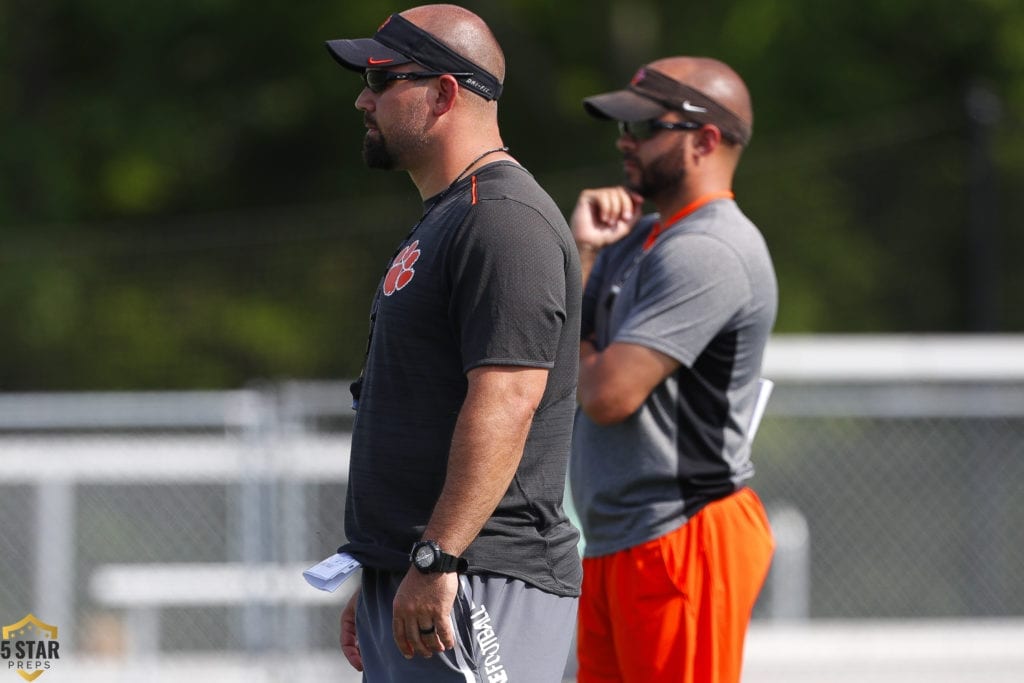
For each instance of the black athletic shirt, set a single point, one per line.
(490, 277)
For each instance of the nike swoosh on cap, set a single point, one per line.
(374, 62)
(693, 107)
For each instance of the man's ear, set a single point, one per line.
(447, 91)
(708, 139)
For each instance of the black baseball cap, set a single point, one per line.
(399, 41)
(650, 94)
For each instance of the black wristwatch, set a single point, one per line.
(428, 558)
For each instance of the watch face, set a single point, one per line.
(424, 556)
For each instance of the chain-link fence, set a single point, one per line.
(176, 525)
(908, 512)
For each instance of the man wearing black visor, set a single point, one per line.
(677, 309)
(466, 400)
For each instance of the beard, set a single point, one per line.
(404, 145)
(376, 153)
(663, 175)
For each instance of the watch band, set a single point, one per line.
(450, 563)
(443, 563)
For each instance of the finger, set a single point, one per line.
(432, 639)
(347, 639)
(445, 635)
(607, 206)
(418, 639)
(353, 655)
(626, 207)
(615, 205)
(586, 221)
(587, 208)
(433, 643)
(402, 640)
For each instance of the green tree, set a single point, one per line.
(182, 202)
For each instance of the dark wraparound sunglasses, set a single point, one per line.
(643, 130)
(377, 80)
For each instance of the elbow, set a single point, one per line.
(606, 410)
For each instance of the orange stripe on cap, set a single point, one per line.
(473, 180)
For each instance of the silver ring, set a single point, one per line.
(428, 631)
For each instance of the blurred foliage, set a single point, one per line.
(183, 204)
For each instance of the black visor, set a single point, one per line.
(399, 41)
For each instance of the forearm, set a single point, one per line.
(615, 382)
(486, 449)
(585, 379)
(591, 384)
(588, 255)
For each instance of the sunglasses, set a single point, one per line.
(643, 130)
(377, 80)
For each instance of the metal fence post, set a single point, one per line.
(790, 575)
(55, 556)
(254, 506)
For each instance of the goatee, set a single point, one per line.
(662, 175)
(376, 153)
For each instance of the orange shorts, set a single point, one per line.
(676, 608)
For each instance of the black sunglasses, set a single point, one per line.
(643, 130)
(377, 80)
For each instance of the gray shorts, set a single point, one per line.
(506, 631)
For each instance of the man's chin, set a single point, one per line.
(375, 153)
(379, 164)
(633, 185)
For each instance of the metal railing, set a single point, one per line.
(893, 469)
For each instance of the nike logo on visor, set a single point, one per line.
(374, 62)
(693, 107)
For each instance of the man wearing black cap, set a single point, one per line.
(465, 405)
(678, 306)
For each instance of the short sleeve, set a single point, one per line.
(689, 289)
(508, 276)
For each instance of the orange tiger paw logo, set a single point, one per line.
(401, 271)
